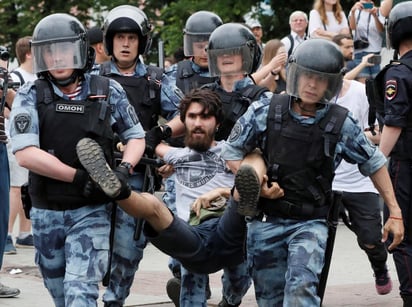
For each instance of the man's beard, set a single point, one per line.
(199, 144)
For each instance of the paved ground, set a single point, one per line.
(350, 281)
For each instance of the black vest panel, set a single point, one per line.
(187, 79)
(143, 93)
(234, 105)
(301, 159)
(62, 124)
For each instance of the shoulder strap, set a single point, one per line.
(99, 85)
(278, 109)
(331, 125)
(18, 74)
(44, 91)
(292, 44)
(253, 92)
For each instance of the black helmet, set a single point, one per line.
(61, 32)
(127, 18)
(233, 38)
(319, 57)
(198, 28)
(399, 25)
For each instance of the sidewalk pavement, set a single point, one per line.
(350, 282)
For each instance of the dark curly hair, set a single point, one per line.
(207, 98)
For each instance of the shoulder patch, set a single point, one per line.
(391, 89)
(22, 122)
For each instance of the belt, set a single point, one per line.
(302, 211)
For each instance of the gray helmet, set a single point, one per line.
(57, 34)
(233, 38)
(198, 28)
(399, 25)
(319, 57)
(127, 18)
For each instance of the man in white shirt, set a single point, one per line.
(298, 22)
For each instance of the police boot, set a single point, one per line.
(224, 303)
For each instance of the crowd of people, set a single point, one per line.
(260, 142)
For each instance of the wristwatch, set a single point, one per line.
(126, 165)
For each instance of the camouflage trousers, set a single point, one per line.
(285, 258)
(72, 249)
(235, 280)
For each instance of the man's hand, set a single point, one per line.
(393, 225)
(272, 190)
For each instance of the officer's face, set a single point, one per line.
(200, 127)
(229, 64)
(200, 54)
(311, 87)
(125, 48)
(57, 58)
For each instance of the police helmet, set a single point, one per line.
(198, 28)
(127, 18)
(61, 35)
(233, 38)
(399, 25)
(316, 57)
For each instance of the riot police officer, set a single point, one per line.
(48, 118)
(127, 37)
(396, 134)
(301, 137)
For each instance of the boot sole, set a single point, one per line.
(92, 158)
(248, 186)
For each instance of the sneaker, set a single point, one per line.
(383, 282)
(92, 158)
(8, 292)
(173, 290)
(26, 242)
(9, 248)
(248, 186)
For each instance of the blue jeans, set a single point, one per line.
(4, 198)
(286, 258)
(126, 251)
(72, 250)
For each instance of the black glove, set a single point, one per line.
(153, 138)
(89, 188)
(122, 174)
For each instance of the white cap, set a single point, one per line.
(253, 23)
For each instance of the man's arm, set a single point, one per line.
(354, 72)
(394, 224)
(389, 138)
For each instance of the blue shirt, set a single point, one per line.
(249, 133)
(25, 103)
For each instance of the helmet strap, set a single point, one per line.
(67, 81)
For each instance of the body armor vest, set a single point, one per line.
(187, 79)
(62, 124)
(301, 159)
(234, 105)
(143, 92)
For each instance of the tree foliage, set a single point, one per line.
(19, 17)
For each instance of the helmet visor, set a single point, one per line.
(53, 55)
(312, 85)
(230, 61)
(195, 44)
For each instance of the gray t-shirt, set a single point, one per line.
(196, 174)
